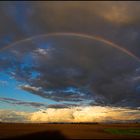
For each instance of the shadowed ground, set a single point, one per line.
(39, 135)
(69, 131)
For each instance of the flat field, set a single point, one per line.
(69, 131)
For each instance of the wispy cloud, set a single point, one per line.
(36, 104)
(24, 103)
(3, 83)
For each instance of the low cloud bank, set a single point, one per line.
(74, 114)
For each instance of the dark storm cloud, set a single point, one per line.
(118, 21)
(77, 69)
(74, 69)
(54, 94)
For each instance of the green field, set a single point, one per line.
(123, 131)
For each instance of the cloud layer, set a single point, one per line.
(117, 21)
(36, 105)
(23, 103)
(74, 114)
(74, 69)
(86, 114)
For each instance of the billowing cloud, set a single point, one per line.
(13, 116)
(86, 114)
(74, 114)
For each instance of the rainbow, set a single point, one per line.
(111, 44)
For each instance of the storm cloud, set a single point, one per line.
(73, 68)
(70, 68)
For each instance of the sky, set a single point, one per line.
(69, 61)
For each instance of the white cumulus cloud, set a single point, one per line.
(73, 114)
(85, 114)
